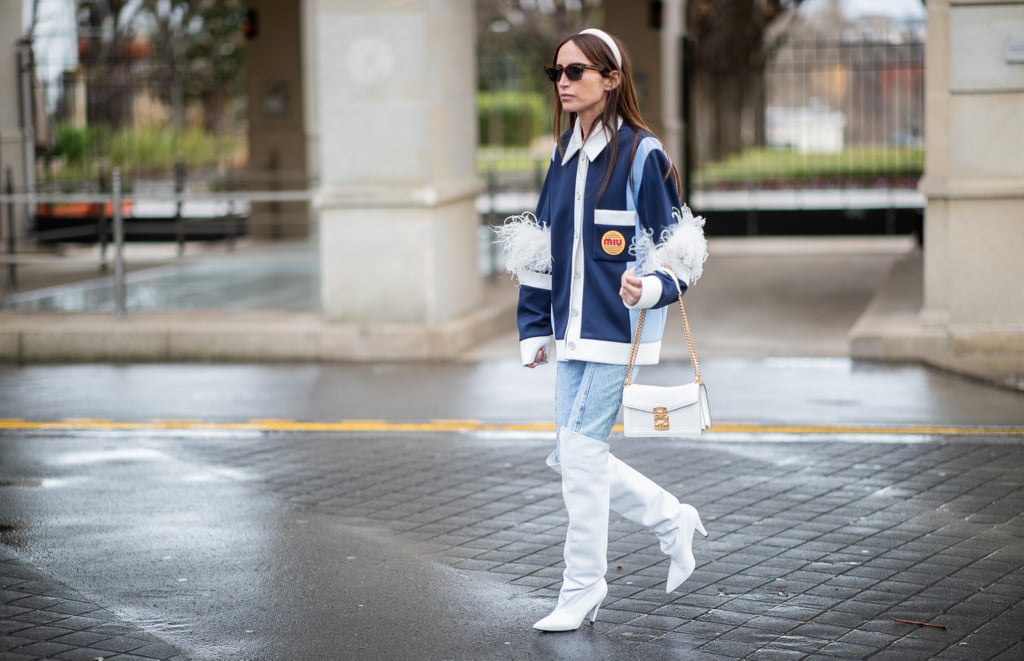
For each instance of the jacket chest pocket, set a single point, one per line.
(613, 234)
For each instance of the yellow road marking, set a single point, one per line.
(867, 429)
(356, 425)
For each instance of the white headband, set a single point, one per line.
(607, 39)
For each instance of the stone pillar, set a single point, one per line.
(277, 118)
(310, 121)
(974, 177)
(397, 125)
(673, 96)
(11, 145)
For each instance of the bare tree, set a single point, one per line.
(516, 37)
(104, 31)
(199, 54)
(731, 42)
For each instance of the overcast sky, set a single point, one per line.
(895, 8)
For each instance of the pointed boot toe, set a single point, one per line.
(574, 608)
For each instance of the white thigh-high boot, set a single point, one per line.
(636, 497)
(584, 468)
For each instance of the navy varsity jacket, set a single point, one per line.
(571, 293)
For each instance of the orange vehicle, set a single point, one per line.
(81, 209)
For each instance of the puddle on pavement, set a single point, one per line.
(117, 455)
(11, 534)
(21, 483)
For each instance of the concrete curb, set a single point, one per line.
(890, 330)
(238, 336)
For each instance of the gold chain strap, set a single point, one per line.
(636, 346)
(689, 343)
(686, 331)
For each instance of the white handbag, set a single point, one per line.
(665, 410)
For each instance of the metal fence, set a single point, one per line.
(877, 88)
(836, 112)
(834, 143)
(177, 144)
(832, 113)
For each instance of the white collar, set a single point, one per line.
(595, 144)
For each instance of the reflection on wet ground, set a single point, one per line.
(234, 284)
(277, 277)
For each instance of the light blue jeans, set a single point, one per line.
(588, 397)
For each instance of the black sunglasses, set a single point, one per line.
(573, 72)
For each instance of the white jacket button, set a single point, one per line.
(572, 346)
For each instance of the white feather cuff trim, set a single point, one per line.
(525, 245)
(681, 247)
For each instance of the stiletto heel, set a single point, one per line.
(573, 609)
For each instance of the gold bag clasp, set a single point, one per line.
(660, 418)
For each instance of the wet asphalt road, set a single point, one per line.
(205, 558)
(208, 542)
(199, 556)
(771, 390)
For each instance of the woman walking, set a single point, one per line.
(609, 238)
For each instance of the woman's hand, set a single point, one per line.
(631, 288)
(539, 359)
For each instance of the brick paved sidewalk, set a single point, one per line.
(814, 548)
(40, 618)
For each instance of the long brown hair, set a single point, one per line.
(622, 102)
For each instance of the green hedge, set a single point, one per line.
(77, 145)
(511, 118)
(144, 151)
(158, 149)
(855, 164)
